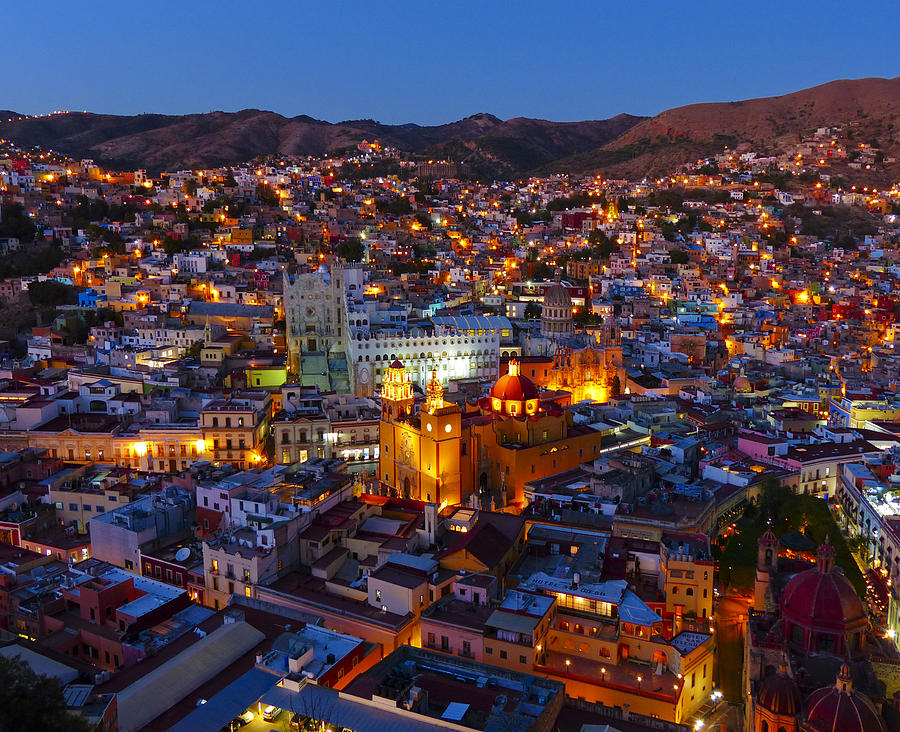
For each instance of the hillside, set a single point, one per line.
(623, 146)
(160, 142)
(658, 144)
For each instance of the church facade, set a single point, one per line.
(441, 452)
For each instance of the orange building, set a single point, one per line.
(441, 453)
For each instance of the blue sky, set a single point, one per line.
(428, 62)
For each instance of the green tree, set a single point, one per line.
(351, 250)
(193, 351)
(51, 293)
(30, 701)
(14, 222)
(678, 256)
(532, 311)
(171, 245)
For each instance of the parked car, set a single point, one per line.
(271, 713)
(241, 719)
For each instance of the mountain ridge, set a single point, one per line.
(623, 145)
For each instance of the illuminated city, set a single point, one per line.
(482, 425)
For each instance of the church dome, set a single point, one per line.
(557, 296)
(556, 313)
(839, 708)
(514, 386)
(779, 694)
(742, 384)
(514, 394)
(823, 597)
(822, 611)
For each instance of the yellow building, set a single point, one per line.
(611, 647)
(420, 454)
(78, 503)
(442, 454)
(589, 374)
(234, 430)
(161, 448)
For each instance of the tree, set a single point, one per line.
(351, 250)
(51, 293)
(171, 245)
(532, 311)
(603, 247)
(678, 256)
(30, 701)
(193, 351)
(16, 223)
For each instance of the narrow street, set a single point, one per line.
(731, 620)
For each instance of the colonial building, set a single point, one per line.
(421, 453)
(808, 650)
(556, 313)
(439, 452)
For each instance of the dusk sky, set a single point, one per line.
(430, 62)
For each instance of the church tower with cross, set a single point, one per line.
(421, 452)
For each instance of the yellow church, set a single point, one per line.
(444, 453)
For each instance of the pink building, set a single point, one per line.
(456, 623)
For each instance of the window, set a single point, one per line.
(489, 650)
(73, 506)
(523, 660)
(502, 654)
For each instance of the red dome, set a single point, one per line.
(514, 388)
(396, 364)
(822, 601)
(839, 708)
(779, 694)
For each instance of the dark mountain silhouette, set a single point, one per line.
(624, 145)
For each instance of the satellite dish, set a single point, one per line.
(182, 554)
